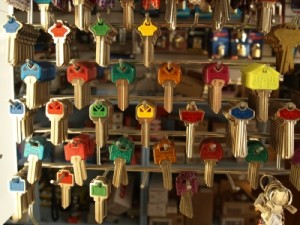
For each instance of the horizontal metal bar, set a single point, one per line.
(174, 169)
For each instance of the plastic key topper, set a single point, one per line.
(169, 75)
(122, 75)
(145, 112)
(191, 116)
(164, 155)
(18, 186)
(65, 180)
(187, 184)
(36, 149)
(18, 110)
(121, 152)
(211, 152)
(77, 151)
(257, 155)
(216, 76)
(262, 80)
(100, 190)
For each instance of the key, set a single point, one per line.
(149, 33)
(169, 75)
(257, 155)
(103, 34)
(44, 6)
(100, 113)
(36, 149)
(65, 180)
(59, 32)
(220, 14)
(83, 10)
(164, 155)
(171, 14)
(291, 115)
(122, 75)
(80, 74)
(128, 13)
(295, 169)
(261, 80)
(284, 38)
(187, 184)
(211, 152)
(191, 116)
(145, 112)
(77, 151)
(58, 112)
(216, 76)
(265, 13)
(121, 152)
(12, 28)
(100, 190)
(106, 4)
(240, 115)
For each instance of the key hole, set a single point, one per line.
(35, 144)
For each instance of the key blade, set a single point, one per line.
(167, 174)
(76, 162)
(32, 167)
(118, 170)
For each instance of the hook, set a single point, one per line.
(57, 182)
(144, 179)
(12, 102)
(75, 64)
(29, 63)
(99, 19)
(169, 65)
(31, 215)
(52, 17)
(196, 20)
(46, 134)
(121, 64)
(232, 184)
(147, 18)
(105, 173)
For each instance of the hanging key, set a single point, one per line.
(65, 180)
(100, 190)
(191, 116)
(128, 13)
(145, 112)
(44, 7)
(264, 9)
(187, 184)
(169, 75)
(103, 34)
(171, 14)
(261, 79)
(80, 74)
(239, 116)
(100, 113)
(291, 115)
(36, 149)
(164, 154)
(220, 14)
(122, 75)
(59, 32)
(149, 33)
(295, 169)
(257, 155)
(83, 9)
(121, 152)
(211, 152)
(216, 76)
(77, 151)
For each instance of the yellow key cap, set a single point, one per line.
(147, 28)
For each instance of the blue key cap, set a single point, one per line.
(17, 184)
(43, 71)
(17, 108)
(38, 146)
(12, 25)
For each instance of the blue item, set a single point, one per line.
(12, 25)
(38, 146)
(43, 71)
(16, 108)
(17, 184)
(242, 114)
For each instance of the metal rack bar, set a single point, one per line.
(174, 169)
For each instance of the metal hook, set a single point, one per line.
(57, 182)
(31, 215)
(52, 17)
(147, 18)
(121, 64)
(169, 65)
(29, 63)
(232, 184)
(75, 64)
(99, 19)
(105, 173)
(196, 20)
(144, 179)
(12, 102)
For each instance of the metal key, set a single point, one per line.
(77, 151)
(65, 180)
(216, 76)
(220, 14)
(295, 169)
(122, 75)
(100, 190)
(59, 32)
(83, 10)
(211, 152)
(238, 119)
(149, 33)
(121, 152)
(164, 154)
(265, 13)
(169, 75)
(100, 112)
(262, 80)
(187, 184)
(36, 149)
(128, 13)
(103, 34)
(80, 74)
(145, 112)
(191, 116)
(44, 6)
(171, 14)
(257, 155)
